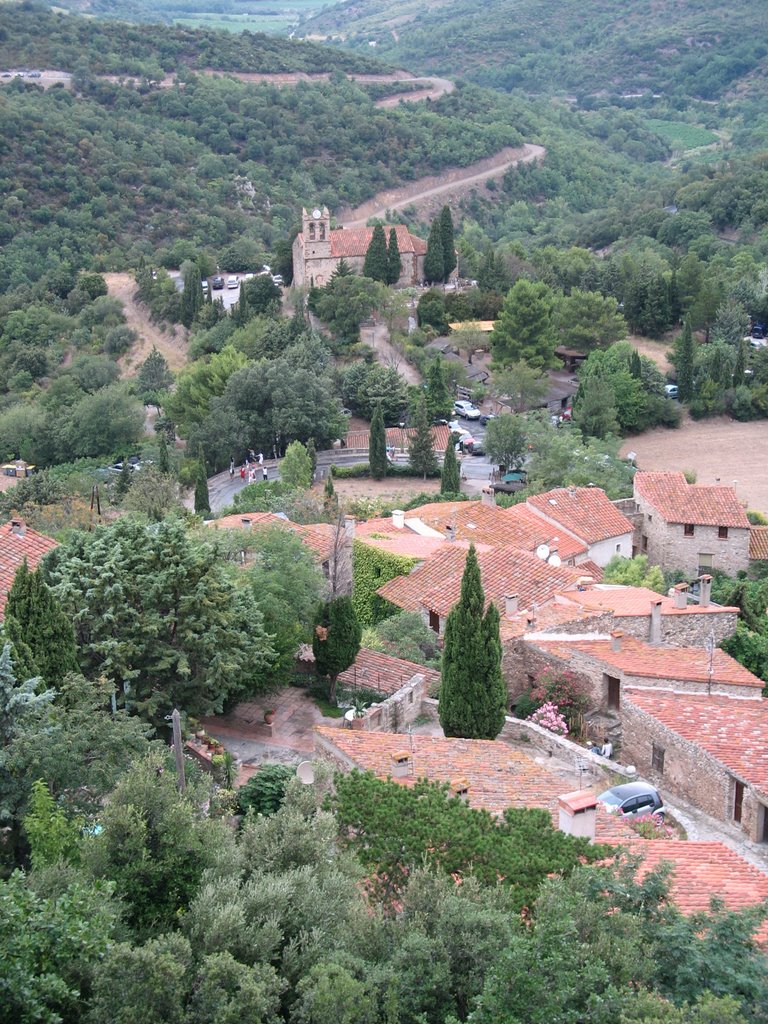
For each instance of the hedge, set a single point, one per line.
(371, 568)
(362, 469)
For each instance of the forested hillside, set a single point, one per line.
(698, 48)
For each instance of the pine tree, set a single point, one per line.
(154, 375)
(35, 617)
(740, 365)
(124, 479)
(343, 269)
(241, 314)
(421, 448)
(450, 481)
(20, 703)
(336, 640)
(684, 363)
(434, 261)
(192, 295)
(163, 456)
(449, 242)
(438, 399)
(635, 366)
(202, 499)
(377, 445)
(394, 263)
(375, 264)
(472, 695)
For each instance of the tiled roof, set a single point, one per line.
(355, 241)
(384, 672)
(397, 438)
(590, 568)
(518, 526)
(436, 583)
(733, 731)
(497, 775)
(637, 658)
(248, 521)
(585, 511)
(633, 601)
(680, 502)
(14, 548)
(318, 537)
(758, 542)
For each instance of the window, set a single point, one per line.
(644, 544)
(688, 530)
(657, 759)
(650, 518)
(722, 533)
(311, 232)
(705, 563)
(434, 622)
(618, 549)
(738, 799)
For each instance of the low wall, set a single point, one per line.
(400, 710)
(579, 759)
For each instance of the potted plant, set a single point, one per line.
(269, 715)
(359, 706)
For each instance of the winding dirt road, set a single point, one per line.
(172, 346)
(458, 181)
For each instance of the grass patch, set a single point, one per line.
(680, 135)
(328, 709)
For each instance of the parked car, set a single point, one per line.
(466, 410)
(233, 282)
(633, 799)
(486, 418)
(670, 390)
(277, 279)
(475, 448)
(204, 285)
(217, 283)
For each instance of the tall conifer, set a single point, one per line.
(394, 262)
(421, 448)
(34, 617)
(377, 445)
(202, 499)
(375, 265)
(434, 261)
(685, 363)
(450, 480)
(449, 242)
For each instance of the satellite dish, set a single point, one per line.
(555, 560)
(542, 552)
(306, 773)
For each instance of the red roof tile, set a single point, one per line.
(758, 542)
(318, 537)
(14, 548)
(379, 671)
(732, 731)
(680, 502)
(436, 583)
(637, 658)
(585, 511)
(355, 241)
(634, 601)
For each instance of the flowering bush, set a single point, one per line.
(567, 691)
(548, 717)
(652, 826)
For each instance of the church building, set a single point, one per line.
(318, 249)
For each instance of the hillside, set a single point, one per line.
(700, 48)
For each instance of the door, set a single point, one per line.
(614, 693)
(738, 800)
(762, 824)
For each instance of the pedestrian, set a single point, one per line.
(231, 468)
(242, 472)
(251, 455)
(264, 474)
(261, 458)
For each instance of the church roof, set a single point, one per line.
(355, 241)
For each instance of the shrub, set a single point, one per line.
(265, 792)
(548, 717)
(652, 826)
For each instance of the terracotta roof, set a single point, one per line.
(518, 526)
(380, 533)
(732, 731)
(248, 521)
(318, 537)
(497, 775)
(637, 658)
(384, 672)
(585, 511)
(590, 568)
(397, 438)
(680, 502)
(14, 548)
(633, 601)
(355, 241)
(436, 583)
(758, 542)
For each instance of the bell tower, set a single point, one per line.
(316, 228)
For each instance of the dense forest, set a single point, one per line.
(695, 48)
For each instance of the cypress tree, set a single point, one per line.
(241, 314)
(330, 501)
(124, 480)
(375, 264)
(336, 640)
(472, 694)
(394, 263)
(34, 617)
(449, 242)
(438, 399)
(343, 269)
(685, 363)
(163, 457)
(377, 445)
(192, 295)
(740, 366)
(421, 448)
(450, 481)
(202, 499)
(635, 366)
(434, 261)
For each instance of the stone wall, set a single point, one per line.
(689, 772)
(681, 630)
(666, 544)
(400, 710)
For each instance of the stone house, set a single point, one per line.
(318, 249)
(588, 515)
(690, 527)
(709, 749)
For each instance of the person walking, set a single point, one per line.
(261, 458)
(231, 468)
(264, 474)
(242, 472)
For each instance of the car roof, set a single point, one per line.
(631, 789)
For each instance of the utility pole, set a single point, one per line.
(178, 750)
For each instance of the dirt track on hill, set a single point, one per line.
(437, 189)
(174, 348)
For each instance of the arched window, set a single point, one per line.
(311, 232)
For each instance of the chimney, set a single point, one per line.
(460, 788)
(398, 518)
(571, 492)
(578, 811)
(655, 630)
(401, 764)
(616, 636)
(246, 523)
(349, 527)
(19, 527)
(705, 591)
(511, 604)
(487, 497)
(680, 593)
(450, 532)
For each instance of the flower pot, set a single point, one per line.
(269, 717)
(358, 723)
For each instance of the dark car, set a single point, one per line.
(486, 418)
(476, 448)
(633, 800)
(217, 283)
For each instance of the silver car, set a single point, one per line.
(633, 800)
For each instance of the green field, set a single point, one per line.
(682, 136)
(274, 23)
